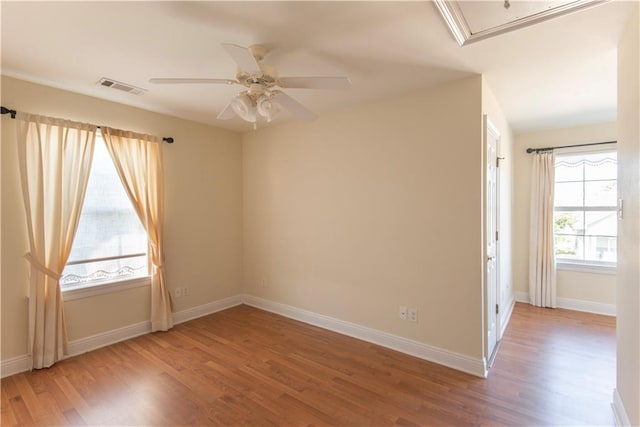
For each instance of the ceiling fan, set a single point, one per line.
(261, 99)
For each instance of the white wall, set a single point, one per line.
(587, 288)
(627, 392)
(371, 208)
(203, 229)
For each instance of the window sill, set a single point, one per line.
(91, 290)
(586, 268)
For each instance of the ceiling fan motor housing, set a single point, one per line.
(267, 78)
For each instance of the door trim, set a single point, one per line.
(490, 129)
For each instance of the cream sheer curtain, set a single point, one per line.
(55, 159)
(138, 160)
(542, 265)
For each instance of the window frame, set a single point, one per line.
(582, 265)
(81, 290)
(106, 287)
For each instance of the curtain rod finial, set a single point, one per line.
(530, 150)
(8, 111)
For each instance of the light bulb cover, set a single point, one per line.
(267, 108)
(244, 108)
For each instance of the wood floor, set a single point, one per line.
(244, 366)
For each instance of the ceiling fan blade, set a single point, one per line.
(243, 57)
(315, 82)
(193, 81)
(291, 105)
(227, 113)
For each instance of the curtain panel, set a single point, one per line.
(54, 157)
(542, 265)
(138, 160)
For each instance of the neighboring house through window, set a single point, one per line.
(110, 244)
(585, 208)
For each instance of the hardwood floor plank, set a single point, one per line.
(19, 411)
(244, 366)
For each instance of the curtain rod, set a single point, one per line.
(4, 110)
(537, 150)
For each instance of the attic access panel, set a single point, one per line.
(470, 20)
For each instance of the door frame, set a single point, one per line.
(490, 128)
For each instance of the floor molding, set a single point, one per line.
(13, 366)
(504, 320)
(474, 366)
(104, 339)
(206, 309)
(618, 410)
(576, 304)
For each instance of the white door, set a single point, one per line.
(491, 137)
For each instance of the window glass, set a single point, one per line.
(110, 243)
(600, 193)
(585, 217)
(568, 194)
(568, 169)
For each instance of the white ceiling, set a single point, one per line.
(554, 74)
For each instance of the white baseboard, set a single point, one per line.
(522, 297)
(506, 317)
(94, 342)
(618, 410)
(104, 339)
(587, 306)
(206, 309)
(576, 304)
(474, 366)
(13, 366)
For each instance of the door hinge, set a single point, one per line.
(498, 161)
(497, 309)
(496, 235)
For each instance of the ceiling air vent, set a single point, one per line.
(113, 84)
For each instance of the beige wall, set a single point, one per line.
(203, 228)
(494, 112)
(598, 288)
(371, 208)
(628, 287)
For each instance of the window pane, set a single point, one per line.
(600, 248)
(569, 247)
(568, 194)
(601, 166)
(601, 223)
(568, 222)
(601, 193)
(569, 168)
(108, 226)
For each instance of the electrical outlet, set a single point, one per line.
(186, 291)
(177, 292)
(264, 283)
(413, 315)
(403, 312)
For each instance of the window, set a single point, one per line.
(110, 243)
(585, 211)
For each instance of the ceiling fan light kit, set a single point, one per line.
(261, 99)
